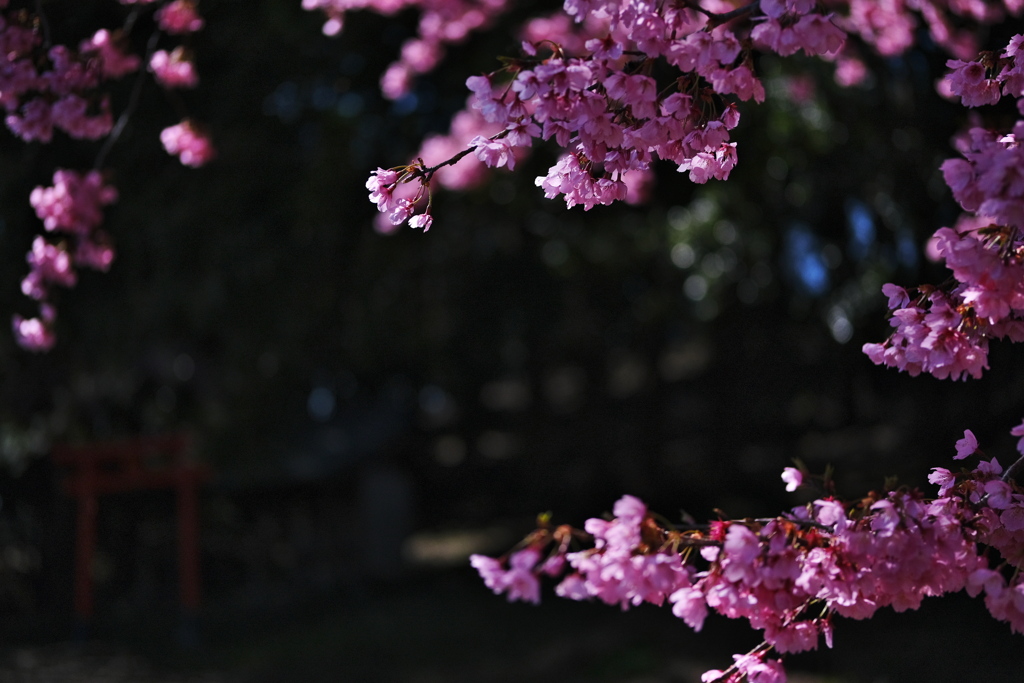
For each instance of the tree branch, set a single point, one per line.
(428, 172)
(1014, 470)
(719, 19)
(133, 102)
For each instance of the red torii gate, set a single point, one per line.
(158, 462)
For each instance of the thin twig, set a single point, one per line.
(44, 23)
(129, 22)
(428, 172)
(725, 17)
(798, 522)
(1014, 470)
(763, 648)
(133, 102)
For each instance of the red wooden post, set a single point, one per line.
(188, 539)
(85, 541)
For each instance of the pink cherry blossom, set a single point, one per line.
(190, 145)
(793, 477)
(33, 334)
(70, 113)
(966, 446)
(494, 153)
(33, 122)
(178, 17)
(423, 220)
(74, 202)
(969, 81)
(114, 61)
(173, 69)
(51, 264)
(381, 186)
(1019, 431)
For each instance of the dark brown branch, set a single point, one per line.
(133, 102)
(719, 19)
(428, 172)
(1014, 470)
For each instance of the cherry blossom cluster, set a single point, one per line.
(43, 87)
(935, 333)
(589, 86)
(945, 331)
(189, 143)
(471, 130)
(386, 190)
(990, 77)
(71, 210)
(461, 172)
(396, 192)
(174, 69)
(179, 17)
(892, 27)
(791, 575)
(611, 116)
(998, 504)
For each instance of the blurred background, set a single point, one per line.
(374, 408)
